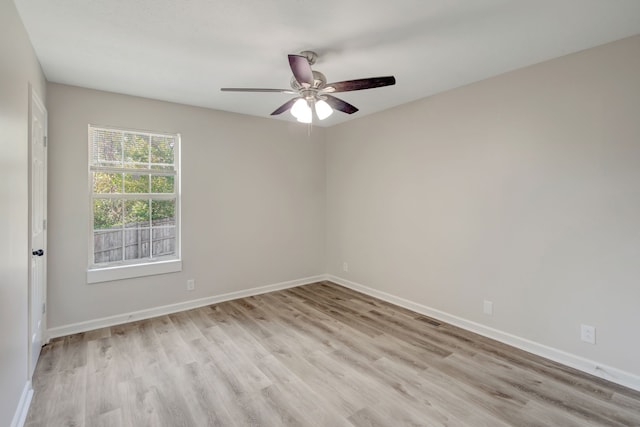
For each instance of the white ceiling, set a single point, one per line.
(185, 50)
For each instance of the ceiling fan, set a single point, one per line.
(314, 93)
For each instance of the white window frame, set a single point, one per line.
(127, 269)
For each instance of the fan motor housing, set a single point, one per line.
(319, 82)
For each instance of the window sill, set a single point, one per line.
(109, 274)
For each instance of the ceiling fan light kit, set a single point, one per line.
(314, 92)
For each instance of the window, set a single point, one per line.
(135, 203)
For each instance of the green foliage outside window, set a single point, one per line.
(151, 160)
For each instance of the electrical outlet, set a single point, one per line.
(345, 267)
(488, 307)
(191, 285)
(588, 334)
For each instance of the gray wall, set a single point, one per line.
(523, 189)
(253, 194)
(18, 68)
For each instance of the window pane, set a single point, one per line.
(164, 241)
(107, 246)
(136, 213)
(127, 168)
(106, 148)
(107, 213)
(136, 183)
(136, 150)
(163, 212)
(162, 150)
(137, 243)
(105, 183)
(162, 184)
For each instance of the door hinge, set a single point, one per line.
(44, 224)
(45, 141)
(44, 307)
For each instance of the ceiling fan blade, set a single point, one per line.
(359, 84)
(301, 69)
(340, 105)
(284, 107)
(252, 89)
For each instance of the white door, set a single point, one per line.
(37, 285)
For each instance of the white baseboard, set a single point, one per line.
(609, 373)
(119, 319)
(22, 410)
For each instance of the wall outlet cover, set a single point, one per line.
(588, 334)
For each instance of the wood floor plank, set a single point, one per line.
(307, 406)
(328, 330)
(49, 361)
(341, 399)
(107, 419)
(127, 350)
(60, 408)
(625, 401)
(556, 394)
(241, 373)
(200, 319)
(185, 326)
(425, 392)
(140, 404)
(516, 357)
(316, 355)
(102, 380)
(206, 398)
(395, 328)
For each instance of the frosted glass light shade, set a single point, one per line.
(307, 117)
(323, 110)
(301, 109)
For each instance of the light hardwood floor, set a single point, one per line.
(316, 355)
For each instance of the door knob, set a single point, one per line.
(39, 252)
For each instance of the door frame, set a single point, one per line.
(35, 99)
